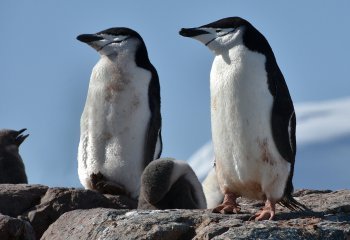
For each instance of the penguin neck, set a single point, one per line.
(236, 59)
(11, 148)
(230, 54)
(236, 69)
(120, 60)
(227, 50)
(112, 67)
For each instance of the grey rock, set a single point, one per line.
(103, 223)
(64, 213)
(57, 201)
(328, 202)
(15, 199)
(13, 228)
(330, 219)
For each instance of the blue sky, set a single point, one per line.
(45, 71)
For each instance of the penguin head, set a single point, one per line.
(12, 137)
(219, 36)
(113, 41)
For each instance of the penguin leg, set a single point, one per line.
(267, 212)
(229, 205)
(100, 184)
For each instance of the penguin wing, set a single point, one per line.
(283, 121)
(153, 135)
(283, 124)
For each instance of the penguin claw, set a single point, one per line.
(228, 206)
(263, 215)
(266, 213)
(110, 188)
(227, 209)
(95, 178)
(100, 184)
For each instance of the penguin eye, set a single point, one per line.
(120, 38)
(218, 30)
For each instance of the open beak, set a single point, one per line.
(20, 138)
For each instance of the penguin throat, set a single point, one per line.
(219, 36)
(116, 41)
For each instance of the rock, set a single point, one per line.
(304, 228)
(57, 201)
(68, 213)
(15, 199)
(13, 228)
(327, 201)
(329, 220)
(123, 224)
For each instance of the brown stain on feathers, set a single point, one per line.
(265, 154)
(213, 105)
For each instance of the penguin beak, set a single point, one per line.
(205, 36)
(20, 138)
(88, 38)
(192, 32)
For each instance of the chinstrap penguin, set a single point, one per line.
(120, 127)
(252, 116)
(12, 168)
(170, 184)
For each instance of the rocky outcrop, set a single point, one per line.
(61, 213)
(40, 206)
(13, 228)
(15, 199)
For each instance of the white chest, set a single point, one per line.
(246, 156)
(114, 123)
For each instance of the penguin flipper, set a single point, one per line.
(153, 136)
(283, 125)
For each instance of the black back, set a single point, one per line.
(155, 124)
(283, 114)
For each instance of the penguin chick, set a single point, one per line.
(120, 127)
(252, 117)
(12, 168)
(170, 184)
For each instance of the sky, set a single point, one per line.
(45, 71)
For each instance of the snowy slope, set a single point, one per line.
(323, 146)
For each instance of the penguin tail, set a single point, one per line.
(291, 203)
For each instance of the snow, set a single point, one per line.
(202, 160)
(323, 121)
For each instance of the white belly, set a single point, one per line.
(247, 160)
(114, 124)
